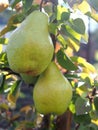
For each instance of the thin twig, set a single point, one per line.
(41, 5)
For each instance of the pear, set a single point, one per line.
(29, 79)
(30, 47)
(52, 91)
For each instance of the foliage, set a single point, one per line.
(67, 28)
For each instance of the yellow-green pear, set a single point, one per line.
(30, 48)
(29, 79)
(52, 91)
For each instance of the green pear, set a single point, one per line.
(30, 47)
(52, 91)
(29, 79)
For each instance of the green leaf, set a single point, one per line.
(62, 40)
(2, 81)
(27, 4)
(82, 106)
(68, 31)
(85, 118)
(78, 25)
(96, 103)
(73, 38)
(15, 87)
(65, 61)
(3, 40)
(62, 13)
(3, 60)
(53, 28)
(65, 16)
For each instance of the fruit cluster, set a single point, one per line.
(30, 51)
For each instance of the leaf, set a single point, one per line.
(73, 44)
(88, 68)
(3, 40)
(73, 38)
(82, 91)
(96, 103)
(14, 94)
(65, 61)
(15, 87)
(27, 4)
(68, 31)
(1, 48)
(62, 40)
(85, 118)
(53, 28)
(83, 7)
(78, 25)
(62, 13)
(2, 81)
(82, 106)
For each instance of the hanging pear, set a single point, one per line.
(30, 48)
(52, 91)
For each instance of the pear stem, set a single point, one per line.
(41, 5)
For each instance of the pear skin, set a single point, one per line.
(29, 79)
(52, 91)
(30, 47)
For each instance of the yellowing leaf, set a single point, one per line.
(94, 16)
(26, 109)
(95, 121)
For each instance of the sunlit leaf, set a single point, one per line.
(0, 48)
(72, 33)
(14, 94)
(83, 63)
(82, 90)
(65, 61)
(94, 16)
(74, 45)
(15, 87)
(83, 7)
(62, 40)
(62, 13)
(3, 40)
